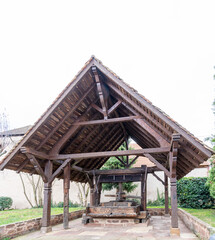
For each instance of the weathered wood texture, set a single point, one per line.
(75, 124)
(47, 196)
(66, 187)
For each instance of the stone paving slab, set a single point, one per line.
(158, 229)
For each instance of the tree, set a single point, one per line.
(83, 192)
(114, 163)
(211, 179)
(4, 127)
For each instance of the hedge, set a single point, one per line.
(5, 203)
(193, 193)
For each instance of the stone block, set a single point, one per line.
(175, 231)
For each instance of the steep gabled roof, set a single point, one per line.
(15, 132)
(56, 129)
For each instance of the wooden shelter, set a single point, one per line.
(87, 123)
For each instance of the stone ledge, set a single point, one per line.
(21, 228)
(201, 229)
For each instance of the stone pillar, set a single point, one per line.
(66, 187)
(166, 195)
(46, 219)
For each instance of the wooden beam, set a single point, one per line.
(153, 109)
(126, 171)
(66, 116)
(22, 165)
(158, 178)
(114, 107)
(37, 167)
(103, 121)
(145, 125)
(110, 153)
(34, 152)
(68, 134)
(159, 165)
(58, 171)
(97, 108)
(121, 160)
(132, 161)
(100, 92)
(46, 115)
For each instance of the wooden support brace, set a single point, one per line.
(37, 167)
(158, 178)
(58, 171)
(100, 92)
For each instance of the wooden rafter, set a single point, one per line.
(22, 165)
(100, 92)
(65, 117)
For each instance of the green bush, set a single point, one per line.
(193, 193)
(5, 203)
(60, 205)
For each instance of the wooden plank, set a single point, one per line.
(37, 167)
(46, 115)
(153, 109)
(68, 134)
(159, 165)
(22, 165)
(110, 153)
(103, 121)
(66, 116)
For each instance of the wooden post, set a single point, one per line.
(66, 187)
(99, 194)
(143, 188)
(166, 195)
(174, 218)
(46, 219)
(172, 163)
(119, 197)
(145, 193)
(92, 197)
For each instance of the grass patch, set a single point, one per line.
(18, 215)
(155, 206)
(206, 215)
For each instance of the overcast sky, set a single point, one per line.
(164, 49)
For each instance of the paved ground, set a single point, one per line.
(159, 228)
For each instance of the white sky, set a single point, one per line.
(164, 49)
